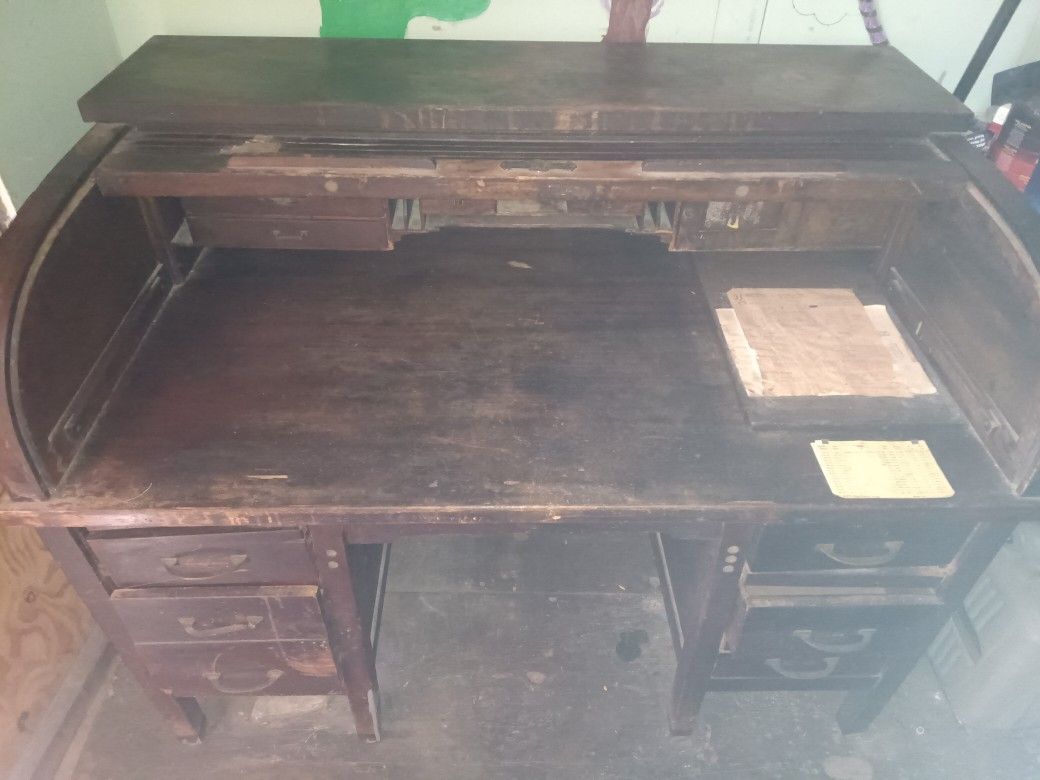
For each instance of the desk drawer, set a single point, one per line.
(821, 648)
(243, 668)
(290, 232)
(796, 671)
(829, 630)
(290, 223)
(276, 557)
(868, 546)
(271, 208)
(226, 613)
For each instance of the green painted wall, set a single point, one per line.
(367, 19)
(51, 52)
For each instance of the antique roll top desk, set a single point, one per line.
(762, 304)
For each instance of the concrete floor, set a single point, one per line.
(500, 658)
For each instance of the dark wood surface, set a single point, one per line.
(481, 370)
(518, 88)
(19, 251)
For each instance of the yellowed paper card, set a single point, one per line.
(881, 469)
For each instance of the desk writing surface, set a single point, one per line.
(316, 86)
(486, 368)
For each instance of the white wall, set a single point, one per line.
(51, 52)
(939, 35)
(135, 21)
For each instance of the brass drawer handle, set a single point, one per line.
(892, 549)
(193, 627)
(830, 663)
(811, 638)
(216, 680)
(540, 166)
(299, 235)
(204, 564)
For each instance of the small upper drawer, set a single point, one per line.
(274, 557)
(330, 208)
(815, 546)
(220, 613)
(289, 232)
(290, 223)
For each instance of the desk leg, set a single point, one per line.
(702, 584)
(183, 714)
(349, 630)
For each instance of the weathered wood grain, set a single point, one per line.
(43, 624)
(520, 88)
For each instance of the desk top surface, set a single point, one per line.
(487, 369)
(312, 85)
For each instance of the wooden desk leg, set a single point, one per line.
(351, 641)
(704, 578)
(183, 714)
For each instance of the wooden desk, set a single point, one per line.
(220, 425)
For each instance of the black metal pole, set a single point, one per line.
(986, 46)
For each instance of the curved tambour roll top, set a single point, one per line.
(964, 280)
(79, 282)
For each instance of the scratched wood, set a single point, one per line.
(520, 88)
(42, 626)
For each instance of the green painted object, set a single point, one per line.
(389, 18)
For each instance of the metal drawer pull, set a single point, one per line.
(192, 626)
(892, 549)
(299, 235)
(204, 564)
(810, 638)
(830, 663)
(270, 678)
(541, 166)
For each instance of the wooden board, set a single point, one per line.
(510, 370)
(817, 342)
(42, 627)
(520, 88)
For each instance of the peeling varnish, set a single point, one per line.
(258, 144)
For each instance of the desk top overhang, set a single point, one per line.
(519, 89)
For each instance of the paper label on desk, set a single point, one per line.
(881, 469)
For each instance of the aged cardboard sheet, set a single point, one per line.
(817, 342)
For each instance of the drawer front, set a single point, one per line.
(220, 614)
(478, 207)
(457, 206)
(868, 546)
(336, 208)
(243, 668)
(289, 232)
(796, 671)
(278, 557)
(885, 630)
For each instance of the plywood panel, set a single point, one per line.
(43, 624)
